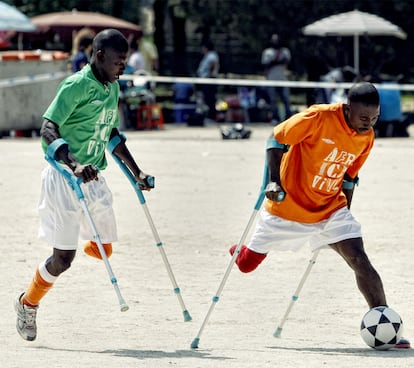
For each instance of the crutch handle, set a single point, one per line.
(150, 181)
(281, 196)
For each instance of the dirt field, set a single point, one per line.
(205, 192)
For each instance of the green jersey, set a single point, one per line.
(85, 111)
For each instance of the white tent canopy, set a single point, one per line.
(354, 23)
(12, 19)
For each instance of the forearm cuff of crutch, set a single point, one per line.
(114, 141)
(348, 185)
(273, 143)
(54, 147)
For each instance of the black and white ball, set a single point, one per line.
(381, 328)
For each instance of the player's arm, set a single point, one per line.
(122, 152)
(50, 133)
(274, 153)
(348, 186)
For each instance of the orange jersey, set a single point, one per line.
(322, 149)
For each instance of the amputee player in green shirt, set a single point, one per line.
(82, 118)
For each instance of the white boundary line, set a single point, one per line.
(141, 79)
(11, 82)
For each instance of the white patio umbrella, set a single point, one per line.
(354, 23)
(11, 19)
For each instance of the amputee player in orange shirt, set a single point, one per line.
(314, 158)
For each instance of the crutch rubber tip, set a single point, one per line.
(194, 344)
(278, 332)
(187, 316)
(124, 308)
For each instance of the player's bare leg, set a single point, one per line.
(367, 278)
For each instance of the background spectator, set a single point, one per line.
(208, 68)
(275, 59)
(150, 54)
(82, 56)
(136, 60)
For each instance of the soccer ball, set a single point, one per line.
(381, 328)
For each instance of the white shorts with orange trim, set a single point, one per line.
(62, 221)
(275, 233)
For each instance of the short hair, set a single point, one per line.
(365, 93)
(110, 39)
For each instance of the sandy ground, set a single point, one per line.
(205, 192)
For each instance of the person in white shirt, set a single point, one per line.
(275, 60)
(136, 60)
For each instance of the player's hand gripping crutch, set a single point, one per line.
(111, 146)
(295, 296)
(75, 182)
(216, 297)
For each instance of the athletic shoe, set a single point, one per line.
(403, 344)
(26, 320)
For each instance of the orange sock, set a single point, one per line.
(91, 249)
(36, 290)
